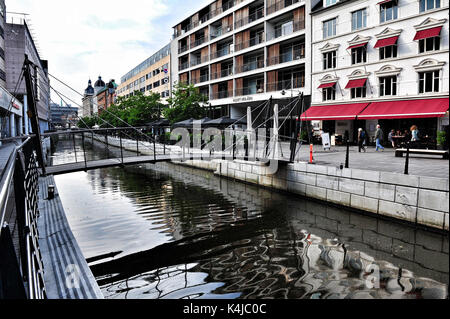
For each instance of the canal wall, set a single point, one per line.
(416, 199)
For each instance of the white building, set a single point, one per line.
(383, 62)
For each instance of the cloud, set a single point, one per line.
(84, 39)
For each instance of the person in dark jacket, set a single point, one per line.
(362, 140)
(379, 138)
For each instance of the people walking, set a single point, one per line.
(362, 140)
(379, 138)
(391, 138)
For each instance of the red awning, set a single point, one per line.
(406, 109)
(428, 33)
(357, 45)
(386, 42)
(333, 112)
(356, 83)
(385, 1)
(327, 85)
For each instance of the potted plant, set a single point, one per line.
(441, 140)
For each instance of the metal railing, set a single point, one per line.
(222, 95)
(277, 6)
(200, 60)
(281, 31)
(252, 42)
(250, 66)
(221, 53)
(183, 66)
(296, 53)
(286, 85)
(220, 31)
(198, 42)
(258, 14)
(19, 247)
(201, 79)
(222, 74)
(249, 90)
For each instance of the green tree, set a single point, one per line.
(136, 110)
(87, 122)
(185, 103)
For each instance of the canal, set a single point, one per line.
(169, 231)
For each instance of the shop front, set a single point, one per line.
(429, 115)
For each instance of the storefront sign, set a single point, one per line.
(243, 99)
(5, 102)
(326, 141)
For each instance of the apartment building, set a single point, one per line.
(380, 62)
(241, 53)
(19, 42)
(152, 75)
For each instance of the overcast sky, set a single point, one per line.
(83, 39)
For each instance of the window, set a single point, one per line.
(329, 94)
(149, 87)
(359, 92)
(388, 52)
(329, 60)
(429, 82)
(330, 2)
(429, 44)
(425, 5)
(359, 19)
(329, 28)
(156, 84)
(388, 86)
(388, 11)
(359, 55)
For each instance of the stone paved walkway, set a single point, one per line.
(385, 161)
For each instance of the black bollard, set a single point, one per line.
(407, 159)
(347, 156)
(246, 148)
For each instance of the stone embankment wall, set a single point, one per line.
(416, 199)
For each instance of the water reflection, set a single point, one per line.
(170, 232)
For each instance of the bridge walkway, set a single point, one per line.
(66, 272)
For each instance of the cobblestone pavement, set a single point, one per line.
(386, 161)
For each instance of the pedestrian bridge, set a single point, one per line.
(127, 147)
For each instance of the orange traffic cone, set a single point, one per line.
(311, 151)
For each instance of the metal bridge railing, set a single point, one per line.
(21, 267)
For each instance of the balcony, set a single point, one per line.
(221, 95)
(296, 53)
(198, 42)
(182, 49)
(258, 14)
(295, 83)
(183, 66)
(220, 31)
(220, 53)
(252, 42)
(250, 66)
(286, 29)
(251, 90)
(222, 74)
(201, 79)
(199, 60)
(279, 5)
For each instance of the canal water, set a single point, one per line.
(172, 232)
